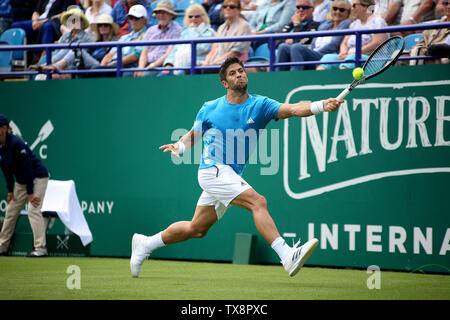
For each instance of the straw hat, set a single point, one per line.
(75, 15)
(105, 19)
(165, 6)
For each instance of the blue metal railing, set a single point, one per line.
(271, 38)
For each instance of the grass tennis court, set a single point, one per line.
(109, 278)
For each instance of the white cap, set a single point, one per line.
(138, 11)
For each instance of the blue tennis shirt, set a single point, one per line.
(230, 131)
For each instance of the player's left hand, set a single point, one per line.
(331, 104)
(172, 148)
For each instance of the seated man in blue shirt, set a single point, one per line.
(121, 10)
(130, 55)
(291, 51)
(301, 21)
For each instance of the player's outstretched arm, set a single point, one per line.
(186, 142)
(306, 109)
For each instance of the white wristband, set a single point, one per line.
(181, 147)
(317, 107)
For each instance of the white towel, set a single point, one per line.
(61, 197)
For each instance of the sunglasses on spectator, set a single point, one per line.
(303, 7)
(340, 9)
(230, 6)
(195, 16)
(445, 3)
(104, 25)
(133, 18)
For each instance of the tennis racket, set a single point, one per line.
(384, 56)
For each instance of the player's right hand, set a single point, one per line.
(172, 148)
(331, 104)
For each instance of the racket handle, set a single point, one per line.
(343, 94)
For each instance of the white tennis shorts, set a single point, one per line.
(220, 186)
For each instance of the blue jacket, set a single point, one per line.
(334, 45)
(273, 17)
(5, 9)
(16, 159)
(119, 12)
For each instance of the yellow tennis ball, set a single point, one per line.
(358, 73)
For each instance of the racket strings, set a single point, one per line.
(383, 57)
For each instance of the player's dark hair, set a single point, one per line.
(228, 62)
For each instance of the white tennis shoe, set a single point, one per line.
(139, 253)
(297, 257)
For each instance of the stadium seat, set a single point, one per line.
(182, 5)
(251, 53)
(262, 51)
(5, 58)
(16, 37)
(411, 40)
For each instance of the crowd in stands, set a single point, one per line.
(80, 21)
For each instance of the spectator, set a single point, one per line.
(270, 17)
(301, 21)
(234, 25)
(249, 8)
(154, 56)
(130, 55)
(416, 11)
(365, 19)
(95, 8)
(22, 10)
(434, 41)
(76, 22)
(5, 15)
(389, 10)
(120, 14)
(197, 25)
(44, 26)
(337, 19)
(112, 3)
(214, 9)
(104, 30)
(321, 9)
(441, 50)
(26, 181)
(441, 10)
(405, 12)
(250, 4)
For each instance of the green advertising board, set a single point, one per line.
(370, 181)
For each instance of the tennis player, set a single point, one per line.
(225, 153)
